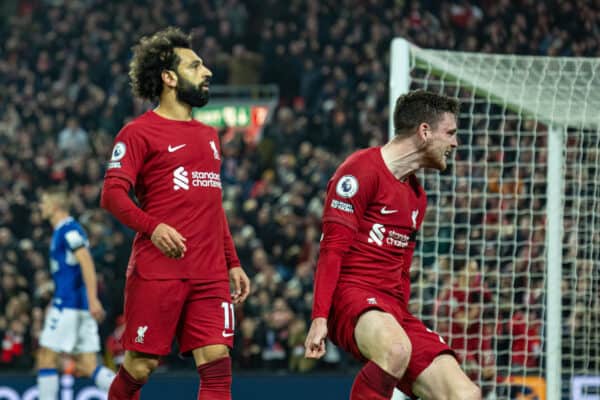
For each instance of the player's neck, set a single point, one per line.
(171, 108)
(58, 217)
(401, 158)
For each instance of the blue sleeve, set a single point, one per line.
(75, 237)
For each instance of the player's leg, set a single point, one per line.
(152, 310)
(47, 379)
(86, 365)
(214, 367)
(85, 352)
(206, 330)
(432, 373)
(443, 379)
(58, 336)
(132, 375)
(381, 340)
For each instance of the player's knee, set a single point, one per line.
(396, 358)
(210, 353)
(141, 368)
(46, 358)
(85, 368)
(469, 392)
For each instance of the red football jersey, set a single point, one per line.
(385, 214)
(174, 167)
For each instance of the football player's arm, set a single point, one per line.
(128, 157)
(88, 273)
(238, 278)
(115, 199)
(348, 196)
(336, 241)
(230, 253)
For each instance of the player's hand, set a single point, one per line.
(240, 285)
(315, 339)
(169, 241)
(96, 309)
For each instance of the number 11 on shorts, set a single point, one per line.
(229, 317)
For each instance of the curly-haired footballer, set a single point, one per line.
(183, 259)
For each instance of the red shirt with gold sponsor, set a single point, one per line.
(174, 167)
(385, 214)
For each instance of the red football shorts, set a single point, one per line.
(197, 313)
(350, 302)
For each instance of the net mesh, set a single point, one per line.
(480, 268)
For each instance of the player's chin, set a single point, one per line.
(440, 165)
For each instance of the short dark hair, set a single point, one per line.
(151, 56)
(416, 107)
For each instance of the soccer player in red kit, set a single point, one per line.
(183, 259)
(373, 211)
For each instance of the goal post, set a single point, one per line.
(507, 267)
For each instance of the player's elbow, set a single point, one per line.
(104, 197)
(114, 192)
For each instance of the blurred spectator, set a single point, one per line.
(244, 66)
(276, 334)
(73, 140)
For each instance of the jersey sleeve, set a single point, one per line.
(75, 239)
(128, 154)
(336, 240)
(115, 198)
(230, 253)
(348, 194)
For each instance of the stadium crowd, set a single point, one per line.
(65, 93)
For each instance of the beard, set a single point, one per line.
(194, 95)
(436, 160)
(442, 162)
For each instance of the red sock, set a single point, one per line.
(373, 383)
(125, 386)
(215, 380)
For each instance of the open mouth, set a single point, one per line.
(447, 153)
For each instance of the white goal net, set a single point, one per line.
(508, 263)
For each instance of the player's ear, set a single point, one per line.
(423, 131)
(169, 78)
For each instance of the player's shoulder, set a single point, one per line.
(132, 130)
(72, 225)
(138, 123)
(360, 161)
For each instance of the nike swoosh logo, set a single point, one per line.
(172, 149)
(384, 211)
(225, 334)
